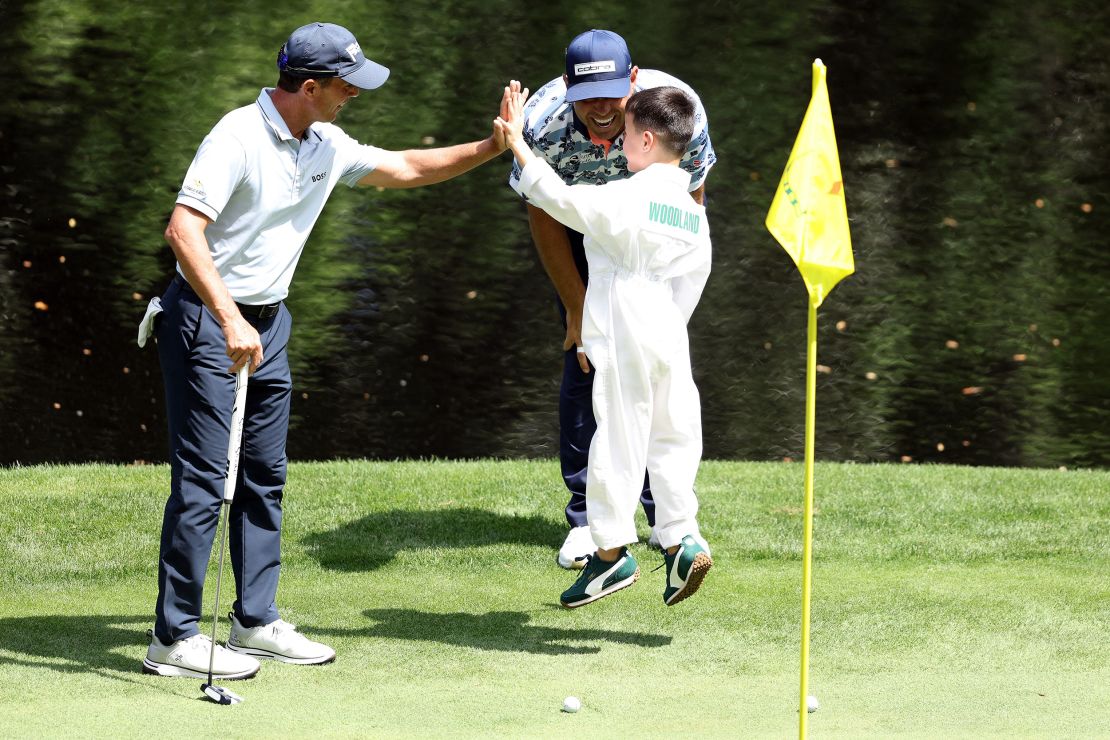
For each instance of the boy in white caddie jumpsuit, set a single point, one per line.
(647, 244)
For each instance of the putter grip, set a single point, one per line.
(235, 442)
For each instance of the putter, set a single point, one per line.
(219, 694)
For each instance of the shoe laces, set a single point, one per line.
(663, 550)
(584, 573)
(277, 626)
(198, 642)
(280, 625)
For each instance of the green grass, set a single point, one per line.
(947, 601)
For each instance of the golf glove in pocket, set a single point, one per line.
(146, 327)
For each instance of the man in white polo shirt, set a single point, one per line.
(575, 123)
(248, 203)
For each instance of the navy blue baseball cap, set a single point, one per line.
(598, 66)
(328, 50)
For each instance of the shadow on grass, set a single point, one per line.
(374, 540)
(76, 644)
(507, 631)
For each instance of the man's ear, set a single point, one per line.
(649, 140)
(632, 77)
(565, 80)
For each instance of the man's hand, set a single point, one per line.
(574, 337)
(185, 235)
(243, 344)
(583, 361)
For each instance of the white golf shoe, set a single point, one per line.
(277, 640)
(189, 657)
(578, 544)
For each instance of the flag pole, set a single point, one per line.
(811, 194)
(807, 549)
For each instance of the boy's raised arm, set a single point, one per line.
(580, 207)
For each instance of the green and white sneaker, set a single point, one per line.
(686, 570)
(600, 578)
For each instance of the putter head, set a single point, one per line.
(219, 694)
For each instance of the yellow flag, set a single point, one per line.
(808, 216)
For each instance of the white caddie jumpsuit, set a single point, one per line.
(647, 244)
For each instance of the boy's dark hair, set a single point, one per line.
(666, 112)
(290, 83)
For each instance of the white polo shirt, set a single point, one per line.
(264, 190)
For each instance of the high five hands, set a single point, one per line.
(509, 125)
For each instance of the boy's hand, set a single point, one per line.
(512, 109)
(509, 126)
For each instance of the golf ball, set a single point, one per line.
(571, 704)
(811, 704)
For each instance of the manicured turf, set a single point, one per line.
(947, 602)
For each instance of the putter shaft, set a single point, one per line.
(224, 514)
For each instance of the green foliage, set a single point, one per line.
(424, 324)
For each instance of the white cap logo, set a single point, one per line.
(352, 50)
(590, 68)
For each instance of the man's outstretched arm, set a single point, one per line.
(413, 168)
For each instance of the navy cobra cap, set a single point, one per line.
(598, 66)
(328, 50)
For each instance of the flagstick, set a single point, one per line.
(811, 406)
(811, 193)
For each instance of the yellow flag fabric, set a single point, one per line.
(808, 216)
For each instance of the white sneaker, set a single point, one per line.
(578, 544)
(278, 640)
(189, 657)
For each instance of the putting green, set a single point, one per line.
(946, 601)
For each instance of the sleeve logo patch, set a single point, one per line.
(194, 187)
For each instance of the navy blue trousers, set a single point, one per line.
(576, 416)
(199, 398)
